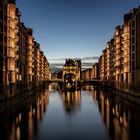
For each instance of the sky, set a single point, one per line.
(73, 28)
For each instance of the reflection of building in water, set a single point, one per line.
(96, 95)
(35, 113)
(88, 87)
(71, 100)
(115, 116)
(53, 86)
(23, 121)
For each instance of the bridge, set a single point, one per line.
(95, 82)
(54, 81)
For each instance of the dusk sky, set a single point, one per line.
(74, 28)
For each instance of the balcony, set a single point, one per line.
(16, 28)
(16, 48)
(16, 21)
(16, 17)
(17, 70)
(16, 39)
(16, 57)
(117, 64)
(11, 56)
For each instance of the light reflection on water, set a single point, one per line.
(71, 101)
(84, 114)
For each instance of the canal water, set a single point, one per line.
(86, 114)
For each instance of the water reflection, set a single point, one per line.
(92, 114)
(22, 121)
(120, 118)
(71, 100)
(88, 87)
(53, 87)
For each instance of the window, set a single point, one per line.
(133, 23)
(133, 66)
(126, 77)
(121, 77)
(133, 40)
(133, 48)
(1, 38)
(1, 49)
(133, 77)
(1, 15)
(133, 56)
(1, 2)
(133, 31)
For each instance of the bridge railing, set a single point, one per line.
(53, 80)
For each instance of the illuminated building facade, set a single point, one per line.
(72, 70)
(119, 63)
(87, 74)
(3, 43)
(22, 63)
(12, 43)
(36, 63)
(95, 71)
(30, 56)
(90, 73)
(11, 47)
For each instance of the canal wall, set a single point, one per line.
(130, 94)
(6, 102)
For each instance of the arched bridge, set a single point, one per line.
(95, 82)
(54, 81)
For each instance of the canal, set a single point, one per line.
(86, 114)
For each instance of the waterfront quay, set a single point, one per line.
(88, 113)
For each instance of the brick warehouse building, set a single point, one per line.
(119, 63)
(22, 62)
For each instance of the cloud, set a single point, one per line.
(87, 62)
(62, 60)
(90, 58)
